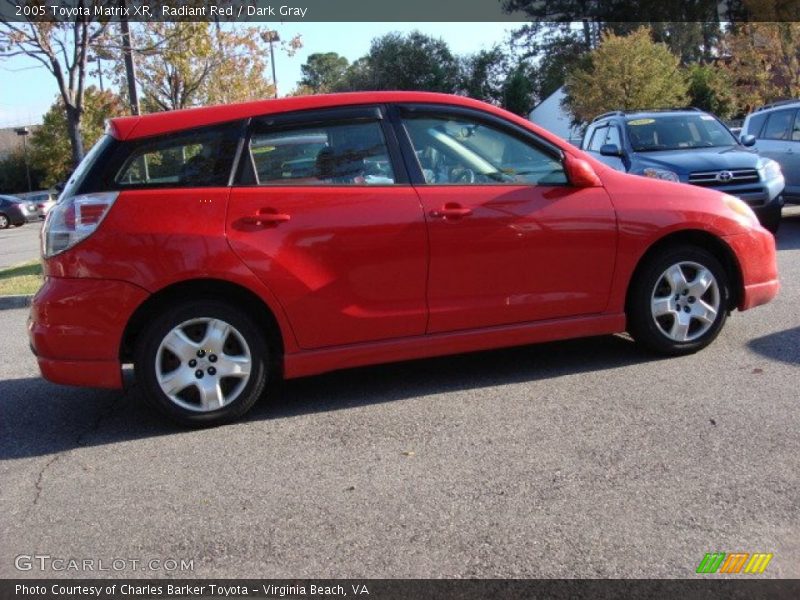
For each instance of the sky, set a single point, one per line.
(27, 90)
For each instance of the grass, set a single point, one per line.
(21, 279)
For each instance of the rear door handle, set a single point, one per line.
(451, 210)
(267, 216)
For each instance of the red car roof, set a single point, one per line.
(130, 128)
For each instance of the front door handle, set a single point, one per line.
(267, 216)
(451, 210)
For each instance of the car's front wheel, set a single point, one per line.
(679, 301)
(202, 363)
(4, 222)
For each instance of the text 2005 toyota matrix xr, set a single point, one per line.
(220, 249)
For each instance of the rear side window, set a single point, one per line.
(336, 154)
(779, 125)
(200, 158)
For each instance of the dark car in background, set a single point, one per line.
(16, 212)
(689, 146)
(776, 129)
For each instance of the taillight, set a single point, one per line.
(74, 219)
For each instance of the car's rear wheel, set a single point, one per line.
(4, 222)
(679, 301)
(202, 363)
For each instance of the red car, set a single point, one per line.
(220, 248)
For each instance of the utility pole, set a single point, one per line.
(130, 66)
(24, 132)
(272, 36)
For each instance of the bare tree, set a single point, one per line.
(63, 48)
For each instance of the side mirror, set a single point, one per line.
(747, 140)
(610, 150)
(580, 172)
(60, 186)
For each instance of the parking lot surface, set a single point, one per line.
(584, 458)
(19, 244)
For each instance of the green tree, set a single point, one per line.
(49, 150)
(63, 49)
(626, 72)
(411, 62)
(711, 89)
(322, 72)
(13, 178)
(518, 90)
(763, 61)
(483, 74)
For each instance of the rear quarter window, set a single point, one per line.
(192, 159)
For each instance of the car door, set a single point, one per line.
(323, 213)
(606, 134)
(779, 140)
(510, 240)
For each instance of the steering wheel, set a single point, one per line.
(464, 175)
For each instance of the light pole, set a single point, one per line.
(272, 36)
(24, 131)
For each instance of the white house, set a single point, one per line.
(551, 115)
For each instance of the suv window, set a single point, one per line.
(675, 132)
(199, 158)
(343, 154)
(756, 123)
(779, 125)
(458, 150)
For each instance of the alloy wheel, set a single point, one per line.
(685, 301)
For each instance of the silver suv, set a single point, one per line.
(776, 129)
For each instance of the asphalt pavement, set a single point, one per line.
(19, 244)
(584, 458)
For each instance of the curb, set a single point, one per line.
(8, 302)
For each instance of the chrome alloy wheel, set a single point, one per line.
(685, 301)
(203, 364)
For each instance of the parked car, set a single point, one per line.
(689, 146)
(776, 129)
(44, 201)
(16, 212)
(426, 224)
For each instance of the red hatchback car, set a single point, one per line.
(219, 248)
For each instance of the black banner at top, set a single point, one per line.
(400, 10)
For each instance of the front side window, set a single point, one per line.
(459, 151)
(598, 139)
(338, 154)
(779, 125)
(202, 158)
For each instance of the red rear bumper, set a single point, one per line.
(76, 328)
(757, 258)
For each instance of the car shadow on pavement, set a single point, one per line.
(38, 418)
(783, 346)
(788, 237)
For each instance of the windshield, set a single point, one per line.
(677, 132)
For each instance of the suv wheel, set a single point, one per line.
(202, 363)
(771, 220)
(679, 302)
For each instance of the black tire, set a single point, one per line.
(4, 221)
(651, 284)
(244, 329)
(18, 224)
(771, 219)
